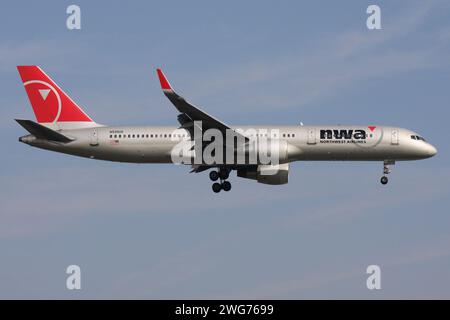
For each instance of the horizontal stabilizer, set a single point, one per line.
(42, 132)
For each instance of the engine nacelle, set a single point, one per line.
(267, 174)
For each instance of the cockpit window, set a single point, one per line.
(417, 138)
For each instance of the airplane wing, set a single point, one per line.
(190, 113)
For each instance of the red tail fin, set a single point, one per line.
(49, 102)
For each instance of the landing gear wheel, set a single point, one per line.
(216, 187)
(214, 175)
(384, 180)
(226, 186)
(224, 174)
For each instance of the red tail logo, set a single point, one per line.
(50, 103)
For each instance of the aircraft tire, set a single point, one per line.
(214, 175)
(226, 186)
(224, 174)
(216, 187)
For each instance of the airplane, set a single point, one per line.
(63, 126)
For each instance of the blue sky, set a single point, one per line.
(156, 231)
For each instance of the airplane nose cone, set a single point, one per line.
(431, 150)
(427, 150)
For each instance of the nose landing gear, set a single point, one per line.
(384, 179)
(223, 175)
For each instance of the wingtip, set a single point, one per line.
(165, 85)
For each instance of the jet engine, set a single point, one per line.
(267, 174)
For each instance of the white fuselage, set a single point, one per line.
(154, 144)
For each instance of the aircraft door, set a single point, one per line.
(93, 140)
(311, 136)
(394, 136)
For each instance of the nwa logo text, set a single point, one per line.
(343, 134)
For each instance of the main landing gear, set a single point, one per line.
(384, 179)
(222, 175)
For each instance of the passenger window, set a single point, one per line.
(110, 136)
(293, 135)
(284, 135)
(115, 136)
